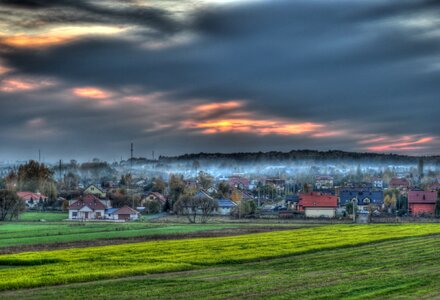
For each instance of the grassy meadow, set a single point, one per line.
(391, 269)
(45, 268)
(314, 261)
(31, 216)
(19, 233)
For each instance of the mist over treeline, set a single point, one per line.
(307, 155)
(296, 163)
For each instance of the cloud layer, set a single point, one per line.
(202, 76)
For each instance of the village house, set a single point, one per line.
(224, 207)
(96, 191)
(292, 202)
(32, 199)
(278, 183)
(125, 213)
(434, 186)
(88, 208)
(154, 196)
(324, 182)
(238, 182)
(377, 183)
(316, 205)
(362, 197)
(422, 202)
(401, 184)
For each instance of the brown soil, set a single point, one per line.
(116, 241)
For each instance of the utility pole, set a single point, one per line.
(60, 170)
(131, 175)
(131, 156)
(354, 201)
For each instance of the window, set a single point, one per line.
(74, 214)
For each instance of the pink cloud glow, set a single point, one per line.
(233, 117)
(403, 143)
(91, 93)
(23, 84)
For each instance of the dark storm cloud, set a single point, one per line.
(360, 65)
(42, 13)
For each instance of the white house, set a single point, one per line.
(88, 208)
(125, 213)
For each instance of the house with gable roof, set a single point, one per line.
(96, 191)
(32, 199)
(125, 213)
(316, 205)
(422, 202)
(89, 207)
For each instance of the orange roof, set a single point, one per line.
(126, 210)
(317, 200)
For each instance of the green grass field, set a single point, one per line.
(47, 216)
(19, 234)
(378, 248)
(393, 269)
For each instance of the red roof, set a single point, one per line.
(89, 200)
(317, 200)
(396, 182)
(422, 197)
(29, 195)
(126, 210)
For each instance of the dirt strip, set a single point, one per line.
(158, 237)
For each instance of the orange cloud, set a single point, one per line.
(261, 127)
(404, 143)
(232, 116)
(218, 106)
(16, 85)
(34, 41)
(55, 36)
(91, 93)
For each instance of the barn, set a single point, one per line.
(316, 205)
(422, 202)
(124, 213)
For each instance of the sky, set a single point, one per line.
(83, 79)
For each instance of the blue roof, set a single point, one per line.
(292, 198)
(363, 196)
(110, 211)
(226, 203)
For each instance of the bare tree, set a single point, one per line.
(10, 205)
(193, 206)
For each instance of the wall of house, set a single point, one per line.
(419, 208)
(71, 214)
(94, 191)
(81, 214)
(223, 211)
(316, 212)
